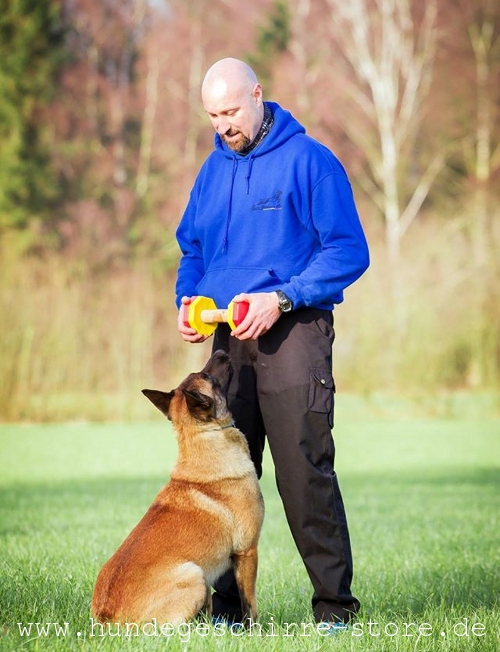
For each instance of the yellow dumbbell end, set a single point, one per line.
(194, 314)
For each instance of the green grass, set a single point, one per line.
(422, 498)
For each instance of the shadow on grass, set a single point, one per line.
(422, 541)
(425, 540)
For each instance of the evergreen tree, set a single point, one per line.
(272, 39)
(31, 43)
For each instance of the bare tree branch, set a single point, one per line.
(421, 191)
(392, 59)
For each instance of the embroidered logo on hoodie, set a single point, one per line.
(271, 204)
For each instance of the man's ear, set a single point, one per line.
(160, 399)
(200, 405)
(257, 93)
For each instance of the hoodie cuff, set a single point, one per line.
(293, 295)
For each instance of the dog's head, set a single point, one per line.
(202, 396)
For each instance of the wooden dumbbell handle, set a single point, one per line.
(218, 316)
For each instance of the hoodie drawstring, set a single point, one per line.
(249, 174)
(230, 205)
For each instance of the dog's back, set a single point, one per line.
(205, 520)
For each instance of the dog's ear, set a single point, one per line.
(159, 399)
(200, 405)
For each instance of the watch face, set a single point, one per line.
(284, 302)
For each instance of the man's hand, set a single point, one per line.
(189, 334)
(262, 314)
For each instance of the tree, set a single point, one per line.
(389, 48)
(100, 128)
(273, 38)
(479, 23)
(31, 40)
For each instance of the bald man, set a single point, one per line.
(271, 220)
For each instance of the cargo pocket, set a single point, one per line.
(321, 390)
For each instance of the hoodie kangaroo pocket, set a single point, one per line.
(223, 284)
(321, 389)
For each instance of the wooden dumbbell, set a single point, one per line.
(203, 315)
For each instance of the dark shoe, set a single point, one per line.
(226, 608)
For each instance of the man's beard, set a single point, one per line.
(236, 145)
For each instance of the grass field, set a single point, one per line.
(422, 498)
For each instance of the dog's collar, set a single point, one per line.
(229, 425)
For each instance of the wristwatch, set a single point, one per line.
(285, 305)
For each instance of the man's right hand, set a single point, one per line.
(189, 334)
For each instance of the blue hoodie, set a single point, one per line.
(281, 217)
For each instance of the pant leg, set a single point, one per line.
(292, 374)
(244, 406)
(295, 387)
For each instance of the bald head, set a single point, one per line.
(228, 73)
(232, 97)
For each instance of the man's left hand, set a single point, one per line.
(263, 312)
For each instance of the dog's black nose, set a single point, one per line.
(219, 366)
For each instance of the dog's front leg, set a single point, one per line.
(207, 607)
(245, 572)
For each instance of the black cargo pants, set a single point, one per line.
(283, 388)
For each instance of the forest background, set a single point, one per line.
(102, 133)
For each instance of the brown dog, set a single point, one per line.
(206, 520)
